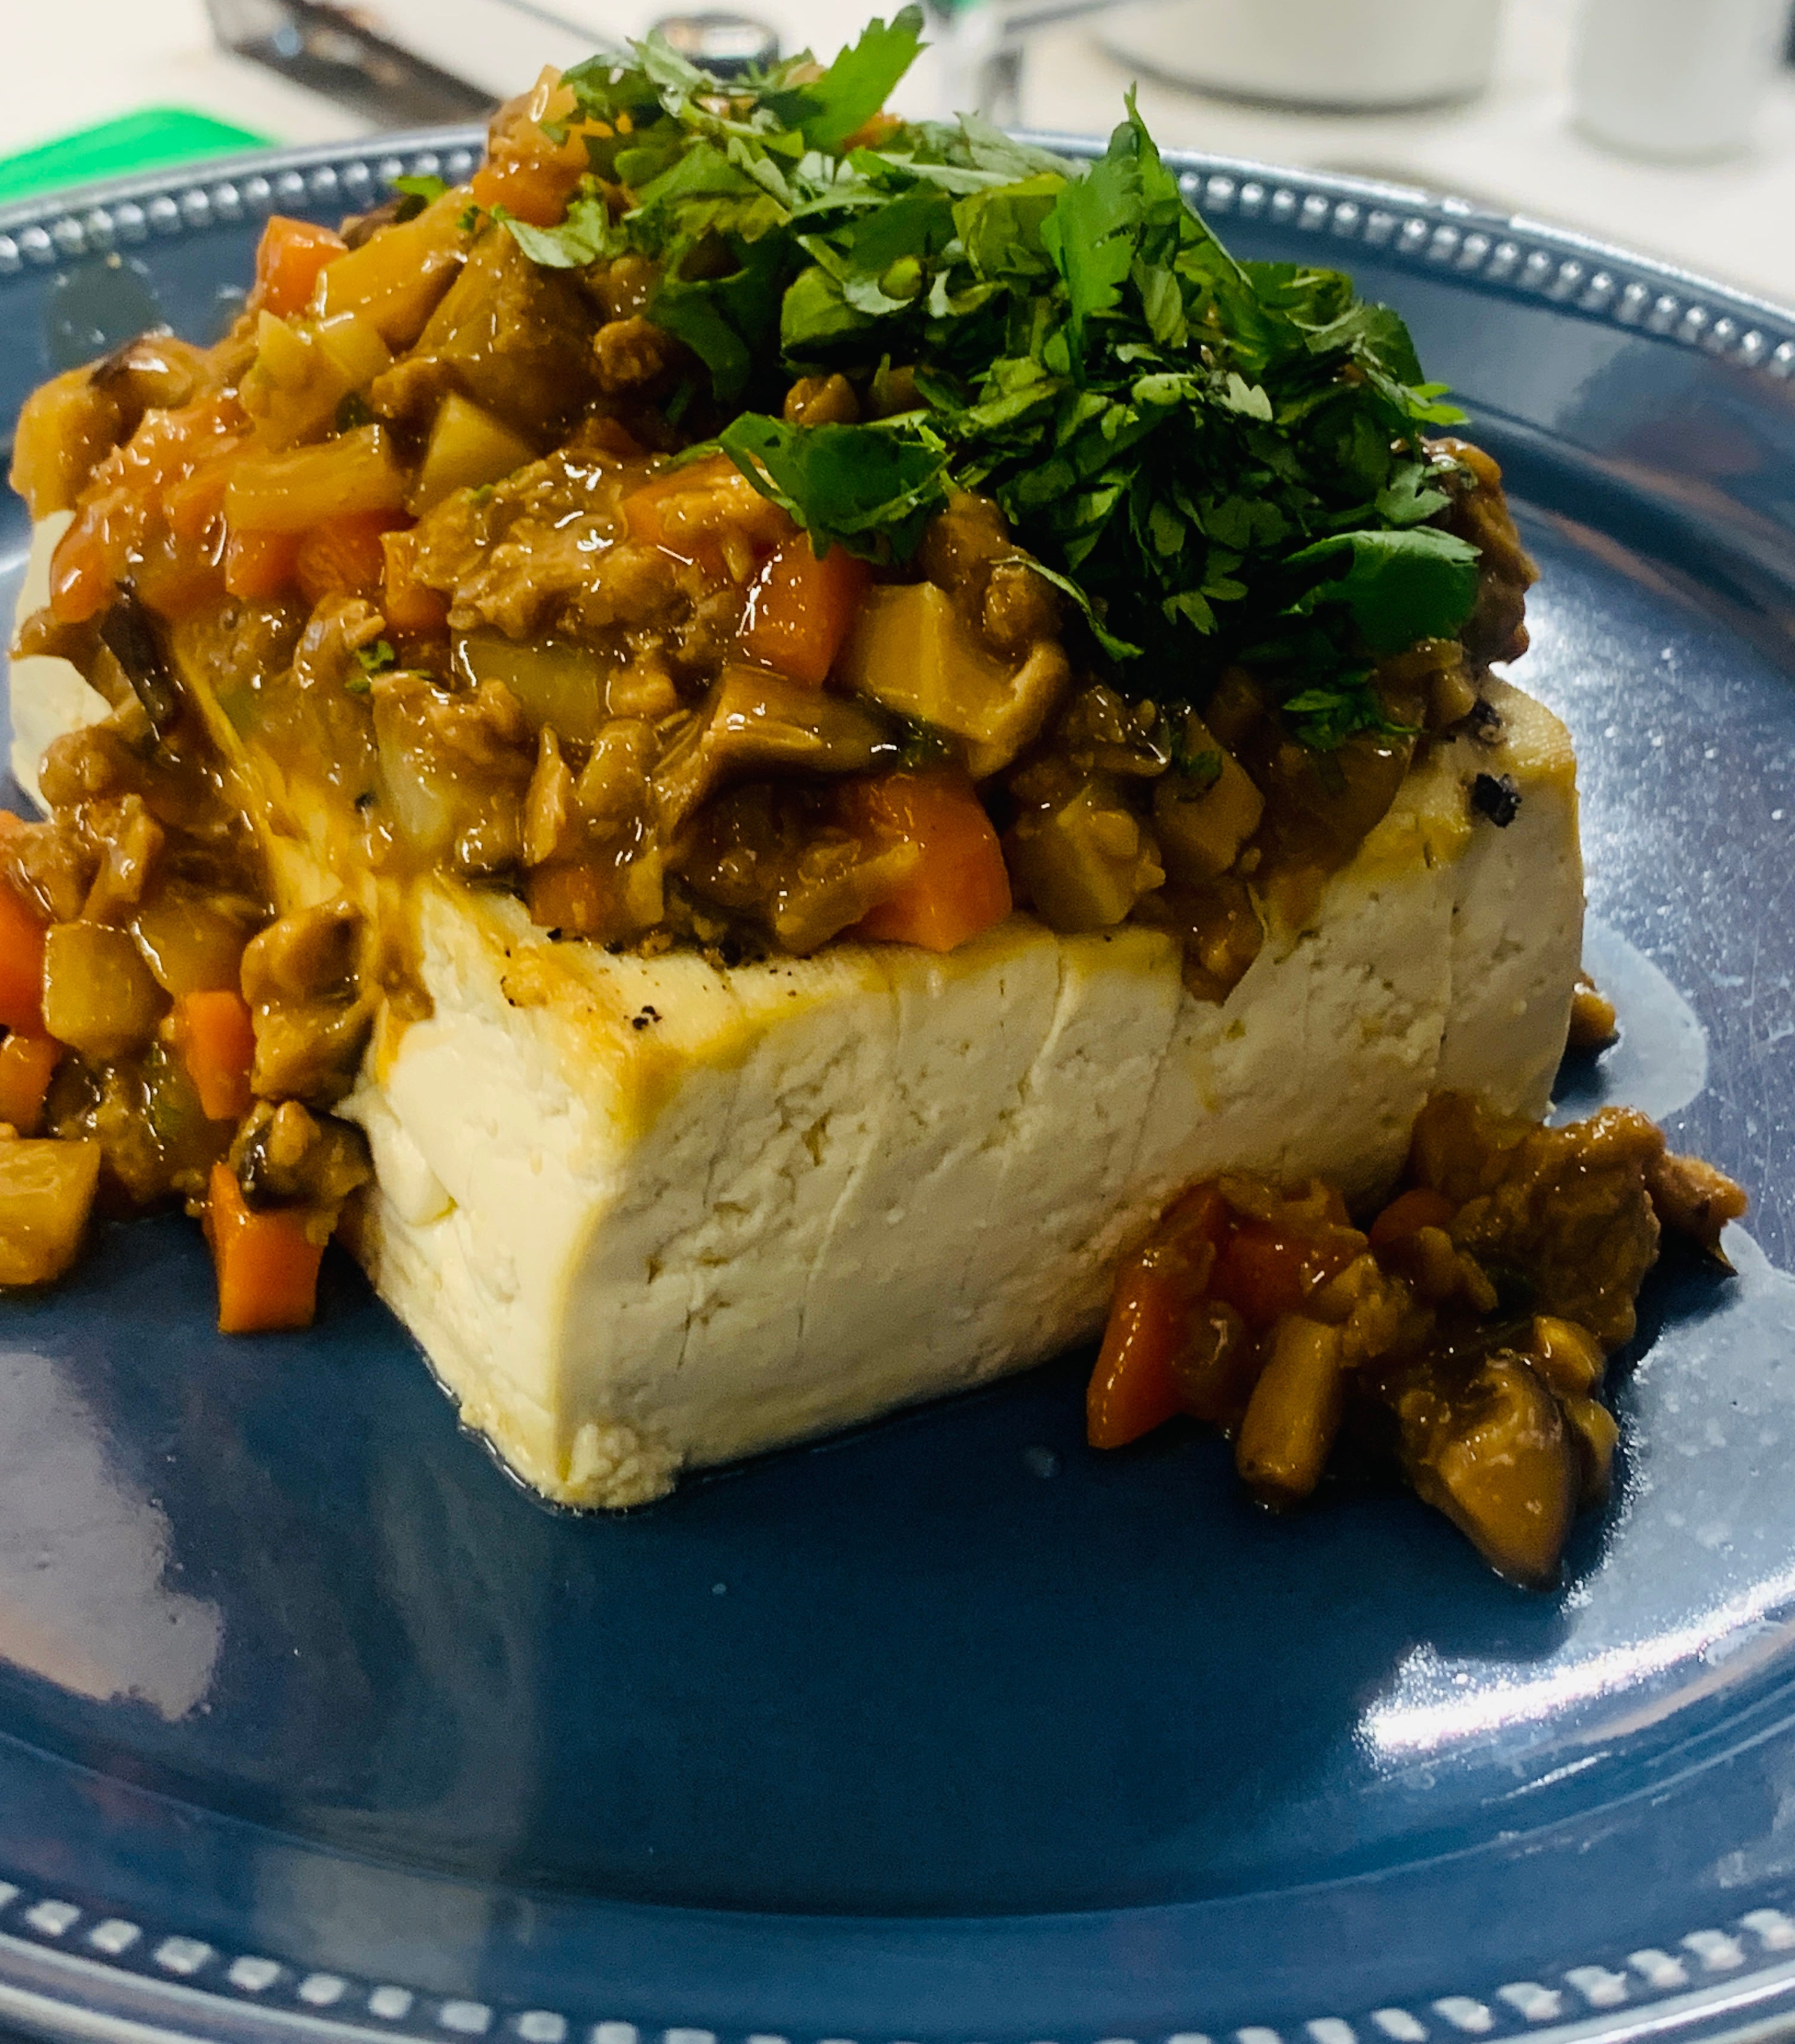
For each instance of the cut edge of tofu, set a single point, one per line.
(802, 1194)
(645, 1214)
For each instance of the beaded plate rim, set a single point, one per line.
(1427, 231)
(69, 1970)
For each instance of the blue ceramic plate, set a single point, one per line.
(311, 1722)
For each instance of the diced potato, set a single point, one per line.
(1084, 862)
(1294, 1412)
(467, 446)
(1596, 1433)
(46, 1192)
(28, 1064)
(1204, 814)
(912, 650)
(304, 370)
(396, 277)
(99, 997)
(1565, 1357)
(191, 943)
(1499, 1464)
(353, 342)
(293, 491)
(560, 685)
(284, 358)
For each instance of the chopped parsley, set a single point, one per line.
(1220, 461)
(370, 660)
(415, 193)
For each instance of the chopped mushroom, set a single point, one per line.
(1256, 1308)
(755, 721)
(300, 977)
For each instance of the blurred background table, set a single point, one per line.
(81, 62)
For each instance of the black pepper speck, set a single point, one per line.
(1497, 796)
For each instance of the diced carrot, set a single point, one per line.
(1407, 1214)
(217, 1040)
(571, 895)
(267, 1264)
(28, 1063)
(288, 261)
(645, 512)
(1200, 1216)
(176, 578)
(170, 445)
(22, 932)
(83, 571)
(191, 504)
(1133, 1389)
(344, 553)
(259, 566)
(959, 885)
(535, 188)
(407, 603)
(1264, 1273)
(800, 609)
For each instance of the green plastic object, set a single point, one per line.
(149, 140)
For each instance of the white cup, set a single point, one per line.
(1357, 55)
(1676, 80)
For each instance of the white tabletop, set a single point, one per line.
(79, 61)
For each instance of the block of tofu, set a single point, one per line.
(645, 1215)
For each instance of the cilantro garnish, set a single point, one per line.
(1399, 587)
(415, 193)
(1220, 461)
(871, 489)
(372, 660)
(828, 111)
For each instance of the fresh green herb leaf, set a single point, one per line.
(584, 237)
(1399, 587)
(1409, 498)
(415, 193)
(728, 322)
(1204, 767)
(1117, 649)
(373, 660)
(826, 111)
(1220, 463)
(869, 488)
(1086, 235)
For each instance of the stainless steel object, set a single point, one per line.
(726, 44)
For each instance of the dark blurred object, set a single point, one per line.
(725, 44)
(1789, 40)
(330, 51)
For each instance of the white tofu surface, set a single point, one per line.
(802, 1194)
(645, 1215)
